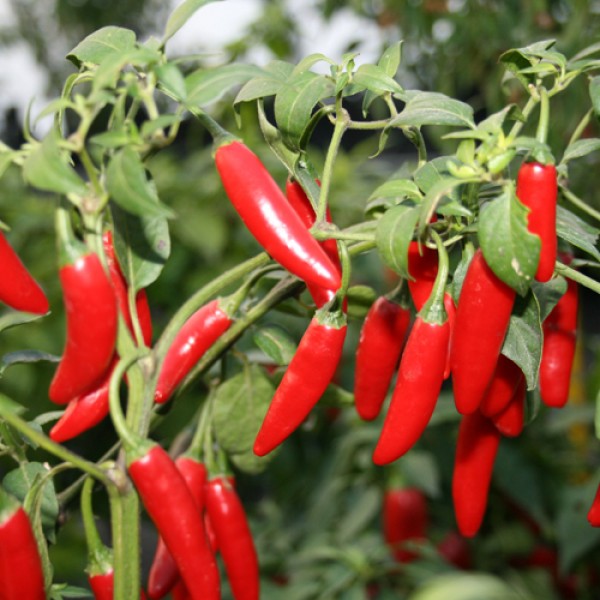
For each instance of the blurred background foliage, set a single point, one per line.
(316, 510)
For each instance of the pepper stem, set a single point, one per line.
(220, 135)
(542, 130)
(99, 556)
(433, 311)
(69, 247)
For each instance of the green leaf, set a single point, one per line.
(461, 271)
(129, 187)
(19, 481)
(294, 104)
(47, 168)
(517, 60)
(420, 469)
(581, 148)
(143, 246)
(171, 79)
(9, 405)
(180, 16)
(161, 122)
(397, 190)
(394, 233)
(240, 405)
(360, 298)
(391, 58)
(14, 318)
(508, 247)
(20, 357)
(209, 85)
(102, 43)
(276, 73)
(366, 508)
(548, 294)
(276, 344)
(111, 139)
(109, 70)
(375, 79)
(433, 108)
(577, 232)
(309, 61)
(523, 342)
(442, 196)
(465, 586)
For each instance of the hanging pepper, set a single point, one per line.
(180, 592)
(309, 373)
(476, 449)
(510, 421)
(164, 574)
(301, 204)
(405, 519)
(451, 314)
(270, 217)
(21, 575)
(173, 510)
(505, 381)
(455, 549)
(422, 268)
(537, 189)
(103, 585)
(482, 318)
(593, 515)
(196, 336)
(234, 538)
(558, 349)
(18, 288)
(420, 374)
(379, 347)
(92, 315)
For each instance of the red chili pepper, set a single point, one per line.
(482, 318)
(301, 204)
(420, 375)
(450, 308)
(423, 268)
(510, 421)
(455, 549)
(309, 373)
(537, 189)
(476, 450)
(234, 538)
(381, 341)
(593, 515)
(103, 586)
(18, 288)
(196, 336)
(180, 592)
(164, 574)
(405, 519)
(270, 217)
(558, 350)
(21, 575)
(173, 510)
(92, 316)
(506, 379)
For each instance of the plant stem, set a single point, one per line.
(581, 126)
(579, 203)
(542, 130)
(516, 128)
(580, 278)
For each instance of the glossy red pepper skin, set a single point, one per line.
(164, 574)
(21, 575)
(537, 189)
(593, 515)
(196, 336)
(92, 315)
(418, 385)
(450, 309)
(270, 217)
(234, 538)
(405, 519)
(382, 338)
(18, 288)
(301, 204)
(507, 377)
(171, 507)
(476, 449)
(309, 373)
(180, 592)
(423, 268)
(510, 421)
(103, 586)
(558, 349)
(482, 318)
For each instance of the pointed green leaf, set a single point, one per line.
(577, 232)
(129, 187)
(548, 294)
(433, 108)
(276, 344)
(375, 79)
(395, 230)
(508, 247)
(172, 80)
(180, 16)
(581, 148)
(105, 42)
(268, 84)
(20, 357)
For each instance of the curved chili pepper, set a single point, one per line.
(103, 586)
(301, 204)
(537, 189)
(171, 507)
(558, 349)
(482, 318)
(593, 515)
(510, 421)
(180, 592)
(455, 549)
(18, 288)
(234, 538)
(196, 336)
(163, 573)
(507, 377)
(92, 316)
(476, 450)
(379, 347)
(450, 309)
(21, 575)
(423, 268)
(270, 218)
(309, 373)
(405, 519)
(420, 376)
